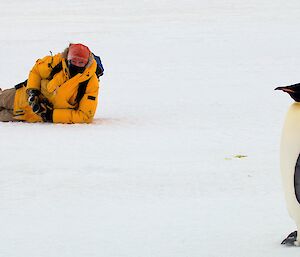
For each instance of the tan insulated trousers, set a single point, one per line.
(7, 98)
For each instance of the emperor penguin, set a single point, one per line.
(290, 161)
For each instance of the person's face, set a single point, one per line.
(77, 62)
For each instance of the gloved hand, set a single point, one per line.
(33, 99)
(46, 110)
(40, 105)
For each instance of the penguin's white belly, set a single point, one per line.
(289, 154)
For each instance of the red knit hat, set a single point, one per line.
(78, 54)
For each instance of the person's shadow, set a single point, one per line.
(108, 121)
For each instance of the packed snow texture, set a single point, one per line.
(188, 86)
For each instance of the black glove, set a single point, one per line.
(40, 105)
(46, 111)
(33, 99)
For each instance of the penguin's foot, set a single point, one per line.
(291, 239)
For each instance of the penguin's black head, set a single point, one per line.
(293, 91)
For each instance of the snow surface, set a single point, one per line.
(188, 85)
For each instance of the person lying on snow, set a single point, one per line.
(62, 89)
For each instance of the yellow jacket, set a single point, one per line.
(61, 91)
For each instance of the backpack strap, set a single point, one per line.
(56, 69)
(20, 85)
(81, 90)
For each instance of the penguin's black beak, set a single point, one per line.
(285, 89)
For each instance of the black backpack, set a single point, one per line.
(100, 69)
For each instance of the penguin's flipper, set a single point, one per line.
(290, 240)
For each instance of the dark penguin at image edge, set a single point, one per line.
(290, 161)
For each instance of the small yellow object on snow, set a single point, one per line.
(240, 156)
